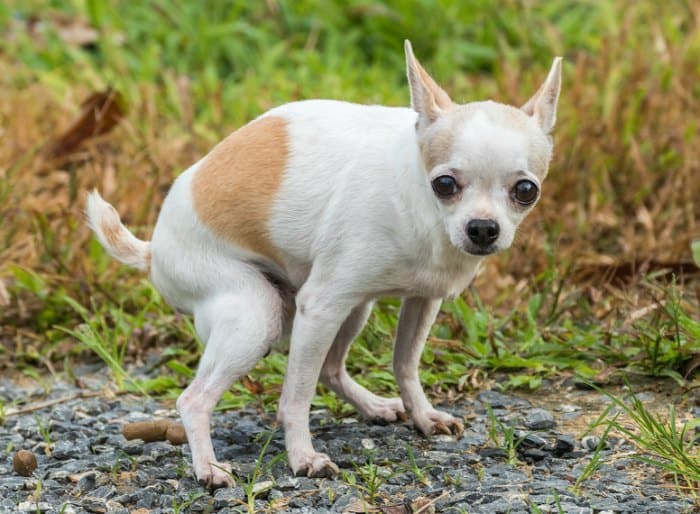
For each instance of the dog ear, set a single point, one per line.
(427, 98)
(543, 104)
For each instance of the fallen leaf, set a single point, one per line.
(359, 506)
(422, 505)
(100, 113)
(253, 386)
(691, 366)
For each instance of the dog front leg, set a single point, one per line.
(335, 375)
(416, 318)
(318, 318)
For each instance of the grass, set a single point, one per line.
(663, 441)
(261, 469)
(597, 458)
(503, 435)
(602, 279)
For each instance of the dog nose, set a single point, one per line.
(482, 232)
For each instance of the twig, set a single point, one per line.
(56, 401)
(424, 507)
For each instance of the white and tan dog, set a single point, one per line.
(311, 212)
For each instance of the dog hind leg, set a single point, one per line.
(239, 329)
(335, 375)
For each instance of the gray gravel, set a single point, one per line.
(86, 466)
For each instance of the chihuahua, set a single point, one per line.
(294, 224)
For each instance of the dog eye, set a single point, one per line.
(445, 186)
(525, 192)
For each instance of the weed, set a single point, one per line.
(45, 433)
(595, 461)
(557, 502)
(36, 495)
(122, 456)
(665, 445)
(183, 505)
(503, 435)
(262, 468)
(371, 477)
(421, 474)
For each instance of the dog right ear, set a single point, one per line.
(427, 98)
(543, 104)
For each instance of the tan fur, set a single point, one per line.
(436, 146)
(115, 237)
(439, 96)
(436, 149)
(236, 184)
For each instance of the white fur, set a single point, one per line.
(355, 219)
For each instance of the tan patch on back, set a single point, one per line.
(236, 184)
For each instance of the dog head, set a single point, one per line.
(484, 161)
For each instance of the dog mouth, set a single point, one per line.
(481, 251)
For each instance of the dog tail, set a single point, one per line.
(121, 244)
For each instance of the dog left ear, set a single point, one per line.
(427, 98)
(543, 104)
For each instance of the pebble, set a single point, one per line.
(591, 442)
(93, 469)
(33, 507)
(539, 419)
(564, 444)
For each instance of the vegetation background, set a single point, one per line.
(124, 95)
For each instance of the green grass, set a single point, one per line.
(662, 439)
(503, 435)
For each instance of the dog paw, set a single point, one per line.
(384, 410)
(314, 465)
(437, 422)
(215, 475)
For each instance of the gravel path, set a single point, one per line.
(86, 465)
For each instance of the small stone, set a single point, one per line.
(114, 507)
(64, 450)
(287, 483)
(96, 505)
(228, 496)
(33, 507)
(532, 441)
(495, 453)
(591, 442)
(86, 482)
(495, 399)
(534, 455)
(564, 444)
(262, 487)
(24, 463)
(539, 419)
(368, 444)
(132, 447)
